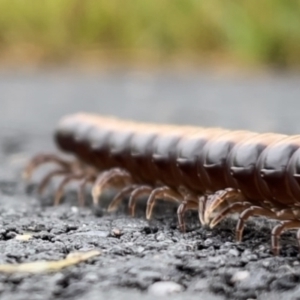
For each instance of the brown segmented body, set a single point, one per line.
(211, 170)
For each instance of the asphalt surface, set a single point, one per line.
(140, 259)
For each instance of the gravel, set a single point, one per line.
(140, 259)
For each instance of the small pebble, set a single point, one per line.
(261, 248)
(220, 259)
(208, 242)
(160, 237)
(74, 209)
(201, 285)
(266, 263)
(163, 288)
(140, 249)
(233, 252)
(136, 234)
(247, 252)
(240, 276)
(116, 232)
(23, 237)
(91, 277)
(227, 245)
(150, 275)
(252, 257)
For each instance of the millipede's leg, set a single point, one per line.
(187, 204)
(65, 181)
(279, 229)
(111, 177)
(163, 193)
(81, 188)
(249, 212)
(141, 191)
(45, 181)
(42, 159)
(286, 214)
(217, 199)
(119, 197)
(201, 209)
(235, 207)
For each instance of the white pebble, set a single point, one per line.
(163, 288)
(160, 237)
(240, 276)
(266, 263)
(74, 209)
(233, 252)
(140, 249)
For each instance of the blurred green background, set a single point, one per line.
(260, 33)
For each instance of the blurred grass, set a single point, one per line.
(254, 32)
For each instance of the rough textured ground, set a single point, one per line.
(140, 259)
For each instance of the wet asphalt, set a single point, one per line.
(140, 259)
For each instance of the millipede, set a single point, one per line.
(214, 171)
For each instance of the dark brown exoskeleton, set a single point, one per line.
(214, 171)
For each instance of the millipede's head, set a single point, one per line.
(65, 133)
(75, 129)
